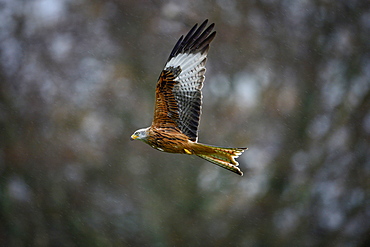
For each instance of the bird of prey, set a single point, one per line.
(178, 103)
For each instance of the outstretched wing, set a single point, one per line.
(178, 92)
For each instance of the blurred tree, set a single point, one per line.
(290, 79)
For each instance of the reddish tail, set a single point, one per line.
(224, 157)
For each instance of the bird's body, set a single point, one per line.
(178, 103)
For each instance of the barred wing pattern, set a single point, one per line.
(178, 92)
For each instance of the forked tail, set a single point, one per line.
(224, 157)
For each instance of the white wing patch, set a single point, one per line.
(192, 70)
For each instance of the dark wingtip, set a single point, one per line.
(196, 40)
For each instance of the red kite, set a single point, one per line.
(178, 103)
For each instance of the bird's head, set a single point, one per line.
(140, 134)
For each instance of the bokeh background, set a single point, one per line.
(288, 79)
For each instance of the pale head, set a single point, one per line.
(140, 134)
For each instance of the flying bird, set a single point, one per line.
(178, 103)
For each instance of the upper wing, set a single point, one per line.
(178, 92)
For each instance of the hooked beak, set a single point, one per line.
(133, 137)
